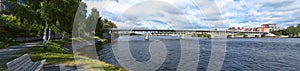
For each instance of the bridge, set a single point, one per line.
(186, 32)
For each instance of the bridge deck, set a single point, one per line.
(186, 30)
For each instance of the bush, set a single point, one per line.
(1, 69)
(199, 35)
(277, 33)
(13, 26)
(239, 34)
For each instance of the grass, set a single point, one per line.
(239, 34)
(56, 55)
(1, 69)
(6, 44)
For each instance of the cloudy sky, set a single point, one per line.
(197, 14)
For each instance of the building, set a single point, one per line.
(263, 28)
(272, 27)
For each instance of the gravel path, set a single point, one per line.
(12, 52)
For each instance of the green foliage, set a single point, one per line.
(80, 20)
(298, 28)
(102, 24)
(91, 22)
(59, 14)
(293, 30)
(280, 32)
(1, 69)
(199, 35)
(239, 34)
(9, 23)
(11, 26)
(277, 33)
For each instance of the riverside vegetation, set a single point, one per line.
(290, 31)
(43, 18)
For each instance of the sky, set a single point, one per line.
(197, 14)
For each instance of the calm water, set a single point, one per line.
(258, 54)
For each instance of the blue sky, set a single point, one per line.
(199, 14)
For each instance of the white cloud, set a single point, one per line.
(199, 13)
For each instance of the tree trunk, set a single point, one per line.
(49, 34)
(63, 36)
(45, 37)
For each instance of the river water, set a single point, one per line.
(255, 54)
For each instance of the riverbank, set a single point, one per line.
(56, 55)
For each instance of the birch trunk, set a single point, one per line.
(45, 36)
(49, 34)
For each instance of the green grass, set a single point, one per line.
(6, 44)
(56, 55)
(239, 34)
(1, 69)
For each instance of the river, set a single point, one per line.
(255, 54)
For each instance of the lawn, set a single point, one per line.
(56, 55)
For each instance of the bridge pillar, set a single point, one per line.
(181, 36)
(146, 37)
(230, 36)
(210, 36)
(257, 36)
(246, 36)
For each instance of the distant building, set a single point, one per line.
(272, 27)
(263, 28)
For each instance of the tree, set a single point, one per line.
(92, 21)
(291, 30)
(277, 33)
(9, 25)
(53, 15)
(80, 20)
(297, 30)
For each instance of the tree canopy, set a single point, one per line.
(59, 14)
